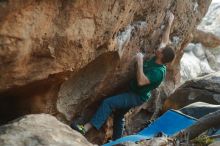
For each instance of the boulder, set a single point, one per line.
(63, 57)
(210, 22)
(194, 62)
(207, 39)
(201, 89)
(199, 109)
(202, 55)
(40, 130)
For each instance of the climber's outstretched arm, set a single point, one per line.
(166, 33)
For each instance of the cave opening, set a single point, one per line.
(33, 98)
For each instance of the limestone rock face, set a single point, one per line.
(211, 22)
(63, 57)
(202, 56)
(194, 62)
(203, 89)
(40, 130)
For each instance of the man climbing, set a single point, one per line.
(149, 76)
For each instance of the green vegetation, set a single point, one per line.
(203, 140)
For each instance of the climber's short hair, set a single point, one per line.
(168, 54)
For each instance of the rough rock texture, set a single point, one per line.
(199, 109)
(207, 39)
(157, 141)
(202, 55)
(208, 32)
(203, 89)
(194, 62)
(217, 143)
(40, 130)
(62, 57)
(210, 22)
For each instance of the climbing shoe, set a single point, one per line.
(79, 128)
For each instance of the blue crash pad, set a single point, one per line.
(169, 123)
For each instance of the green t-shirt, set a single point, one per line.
(155, 73)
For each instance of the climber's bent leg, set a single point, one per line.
(122, 101)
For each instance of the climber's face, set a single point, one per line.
(158, 54)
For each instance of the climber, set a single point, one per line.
(149, 76)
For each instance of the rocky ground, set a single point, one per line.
(40, 130)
